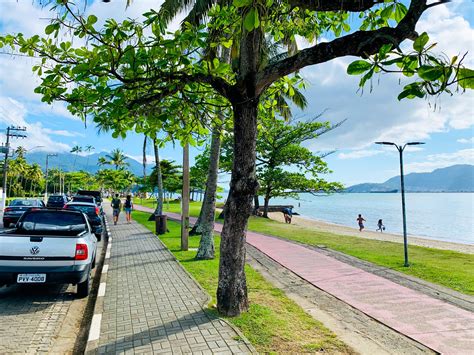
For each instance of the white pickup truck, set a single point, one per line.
(49, 246)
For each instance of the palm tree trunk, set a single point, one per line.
(144, 157)
(205, 223)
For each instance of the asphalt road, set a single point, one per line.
(40, 318)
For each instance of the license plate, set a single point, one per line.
(31, 278)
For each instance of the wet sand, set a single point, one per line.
(368, 234)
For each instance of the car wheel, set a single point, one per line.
(83, 287)
(98, 236)
(93, 262)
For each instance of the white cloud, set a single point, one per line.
(13, 113)
(466, 140)
(358, 154)
(378, 115)
(63, 133)
(435, 161)
(150, 159)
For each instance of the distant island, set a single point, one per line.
(455, 178)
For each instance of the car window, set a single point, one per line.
(23, 203)
(55, 199)
(52, 222)
(82, 208)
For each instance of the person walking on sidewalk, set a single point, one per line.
(128, 207)
(116, 206)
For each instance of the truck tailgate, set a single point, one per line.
(25, 250)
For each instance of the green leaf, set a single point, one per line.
(400, 12)
(91, 20)
(251, 20)
(49, 29)
(242, 3)
(430, 73)
(466, 78)
(420, 42)
(358, 67)
(411, 92)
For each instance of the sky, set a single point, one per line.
(371, 116)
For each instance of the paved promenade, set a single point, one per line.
(436, 324)
(149, 304)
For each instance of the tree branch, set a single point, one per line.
(334, 5)
(360, 44)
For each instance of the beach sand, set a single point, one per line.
(368, 234)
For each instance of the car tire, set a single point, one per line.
(98, 236)
(83, 287)
(6, 224)
(93, 262)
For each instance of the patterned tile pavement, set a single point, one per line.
(151, 304)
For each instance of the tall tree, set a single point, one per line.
(117, 158)
(76, 150)
(137, 70)
(88, 149)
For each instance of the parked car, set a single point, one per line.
(92, 211)
(49, 246)
(96, 194)
(82, 198)
(56, 201)
(17, 207)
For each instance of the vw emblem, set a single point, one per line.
(34, 250)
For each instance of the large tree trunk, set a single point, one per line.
(159, 202)
(208, 209)
(232, 288)
(266, 203)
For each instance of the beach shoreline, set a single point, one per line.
(369, 234)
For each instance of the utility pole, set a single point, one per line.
(46, 179)
(14, 132)
(185, 200)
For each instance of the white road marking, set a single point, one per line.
(94, 332)
(105, 268)
(101, 292)
(107, 255)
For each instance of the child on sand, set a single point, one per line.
(380, 226)
(361, 221)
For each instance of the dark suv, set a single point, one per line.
(56, 201)
(17, 207)
(92, 211)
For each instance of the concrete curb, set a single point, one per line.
(93, 333)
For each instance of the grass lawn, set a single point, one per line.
(274, 323)
(447, 268)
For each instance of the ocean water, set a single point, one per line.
(441, 216)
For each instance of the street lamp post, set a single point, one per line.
(46, 179)
(400, 149)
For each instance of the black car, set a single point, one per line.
(56, 201)
(96, 194)
(92, 211)
(17, 207)
(81, 198)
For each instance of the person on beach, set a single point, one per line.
(361, 221)
(128, 207)
(287, 213)
(116, 206)
(380, 226)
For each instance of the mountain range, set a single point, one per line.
(69, 162)
(455, 178)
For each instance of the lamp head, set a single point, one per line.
(415, 143)
(385, 143)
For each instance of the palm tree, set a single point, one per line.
(76, 149)
(88, 149)
(101, 161)
(117, 159)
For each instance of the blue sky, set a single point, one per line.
(448, 131)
